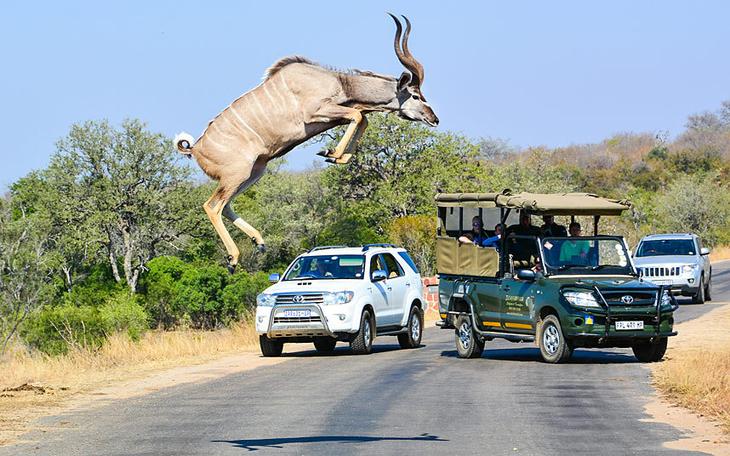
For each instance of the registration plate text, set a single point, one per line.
(298, 313)
(629, 325)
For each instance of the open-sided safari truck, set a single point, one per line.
(560, 292)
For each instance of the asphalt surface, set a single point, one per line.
(422, 401)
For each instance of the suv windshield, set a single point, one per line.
(666, 247)
(324, 267)
(585, 256)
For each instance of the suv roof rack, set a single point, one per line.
(326, 247)
(367, 247)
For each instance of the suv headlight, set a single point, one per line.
(338, 297)
(265, 300)
(690, 268)
(581, 298)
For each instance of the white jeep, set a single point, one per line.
(338, 293)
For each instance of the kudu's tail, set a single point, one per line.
(184, 143)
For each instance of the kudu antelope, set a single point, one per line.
(297, 100)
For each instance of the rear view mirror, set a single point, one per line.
(379, 275)
(705, 251)
(275, 277)
(526, 274)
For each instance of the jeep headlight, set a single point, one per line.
(265, 300)
(690, 268)
(666, 299)
(581, 298)
(338, 297)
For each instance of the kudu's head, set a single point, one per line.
(412, 104)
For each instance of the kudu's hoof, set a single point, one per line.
(325, 153)
(345, 159)
(229, 265)
(261, 248)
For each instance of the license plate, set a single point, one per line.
(298, 313)
(629, 325)
(661, 282)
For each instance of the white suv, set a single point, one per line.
(339, 293)
(676, 260)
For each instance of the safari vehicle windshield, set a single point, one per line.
(324, 267)
(599, 255)
(666, 247)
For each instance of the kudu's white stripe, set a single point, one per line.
(243, 122)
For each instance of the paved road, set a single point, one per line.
(423, 401)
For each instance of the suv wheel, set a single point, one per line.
(270, 347)
(412, 338)
(468, 344)
(708, 289)
(554, 348)
(699, 298)
(650, 352)
(362, 344)
(325, 344)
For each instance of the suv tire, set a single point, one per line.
(650, 352)
(468, 343)
(554, 347)
(414, 328)
(325, 344)
(699, 298)
(270, 347)
(362, 344)
(708, 289)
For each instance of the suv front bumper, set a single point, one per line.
(322, 320)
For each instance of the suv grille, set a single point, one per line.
(300, 298)
(312, 319)
(638, 298)
(660, 271)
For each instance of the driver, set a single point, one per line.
(573, 250)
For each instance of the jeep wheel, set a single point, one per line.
(325, 344)
(270, 347)
(699, 298)
(412, 338)
(468, 344)
(650, 352)
(554, 348)
(362, 344)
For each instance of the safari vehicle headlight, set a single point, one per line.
(690, 268)
(338, 297)
(666, 299)
(265, 300)
(581, 298)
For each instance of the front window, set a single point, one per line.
(324, 267)
(586, 255)
(660, 247)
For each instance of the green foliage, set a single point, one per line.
(415, 233)
(55, 330)
(122, 313)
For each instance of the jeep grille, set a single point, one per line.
(306, 298)
(660, 271)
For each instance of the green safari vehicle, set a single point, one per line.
(559, 292)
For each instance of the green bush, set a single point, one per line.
(122, 313)
(239, 296)
(56, 329)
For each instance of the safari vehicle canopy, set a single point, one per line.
(453, 257)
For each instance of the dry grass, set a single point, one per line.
(696, 370)
(721, 252)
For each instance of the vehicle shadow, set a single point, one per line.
(588, 356)
(257, 444)
(343, 351)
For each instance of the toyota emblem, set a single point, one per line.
(628, 299)
(300, 298)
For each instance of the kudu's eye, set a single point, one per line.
(415, 97)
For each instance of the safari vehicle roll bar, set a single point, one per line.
(572, 204)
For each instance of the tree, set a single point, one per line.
(120, 192)
(25, 275)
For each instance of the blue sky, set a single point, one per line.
(533, 73)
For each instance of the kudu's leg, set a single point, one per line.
(214, 208)
(352, 134)
(251, 232)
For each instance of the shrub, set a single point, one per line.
(122, 313)
(239, 296)
(56, 329)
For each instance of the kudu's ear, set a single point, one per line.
(404, 80)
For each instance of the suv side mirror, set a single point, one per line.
(705, 251)
(379, 275)
(526, 274)
(275, 277)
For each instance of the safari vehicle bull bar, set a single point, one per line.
(297, 327)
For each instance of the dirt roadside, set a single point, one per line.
(702, 335)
